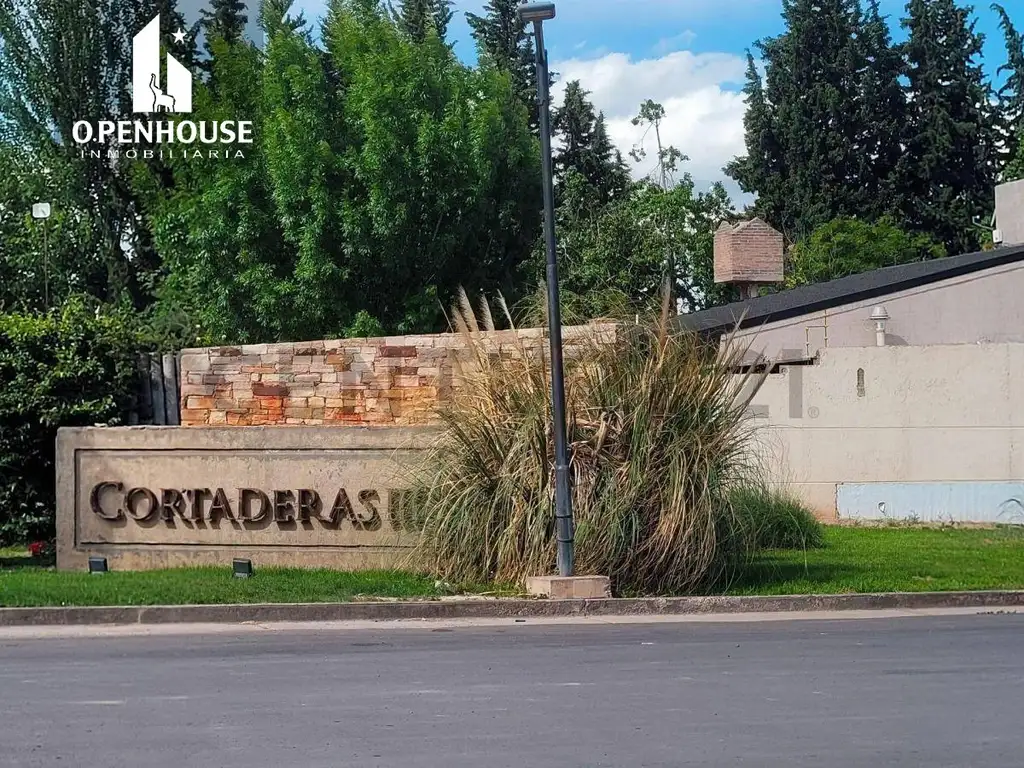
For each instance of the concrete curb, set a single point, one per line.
(484, 609)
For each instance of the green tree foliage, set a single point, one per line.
(585, 147)
(804, 140)
(949, 167)
(612, 258)
(73, 367)
(844, 123)
(224, 20)
(763, 169)
(502, 41)
(42, 262)
(418, 17)
(1011, 95)
(881, 115)
(62, 62)
(1015, 168)
(849, 246)
(385, 173)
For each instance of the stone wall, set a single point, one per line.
(398, 380)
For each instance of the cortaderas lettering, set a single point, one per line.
(113, 501)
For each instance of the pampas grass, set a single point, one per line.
(659, 435)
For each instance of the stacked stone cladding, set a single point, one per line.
(398, 380)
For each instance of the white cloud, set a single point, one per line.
(703, 106)
(668, 44)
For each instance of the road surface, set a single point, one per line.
(934, 691)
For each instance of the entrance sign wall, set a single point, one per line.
(158, 497)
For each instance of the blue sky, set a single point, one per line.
(686, 54)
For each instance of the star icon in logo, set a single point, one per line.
(179, 36)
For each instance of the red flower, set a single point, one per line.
(39, 548)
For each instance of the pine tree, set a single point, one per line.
(614, 173)
(172, 21)
(502, 41)
(413, 19)
(224, 20)
(805, 124)
(1011, 95)
(882, 115)
(763, 169)
(441, 11)
(949, 167)
(416, 18)
(585, 147)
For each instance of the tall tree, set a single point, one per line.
(1011, 95)
(417, 17)
(802, 124)
(586, 148)
(651, 115)
(386, 174)
(61, 63)
(950, 163)
(763, 169)
(502, 40)
(224, 20)
(881, 115)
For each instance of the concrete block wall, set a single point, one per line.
(397, 380)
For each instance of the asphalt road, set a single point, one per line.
(936, 691)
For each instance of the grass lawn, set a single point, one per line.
(859, 559)
(34, 586)
(892, 559)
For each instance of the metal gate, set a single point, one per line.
(157, 400)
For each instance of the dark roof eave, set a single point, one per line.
(846, 290)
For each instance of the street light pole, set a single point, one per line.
(41, 211)
(538, 13)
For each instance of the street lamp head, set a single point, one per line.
(534, 12)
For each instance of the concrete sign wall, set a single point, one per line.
(151, 497)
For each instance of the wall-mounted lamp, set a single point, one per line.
(879, 316)
(97, 565)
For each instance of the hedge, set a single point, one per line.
(72, 367)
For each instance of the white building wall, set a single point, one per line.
(906, 415)
(983, 307)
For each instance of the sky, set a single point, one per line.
(689, 55)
